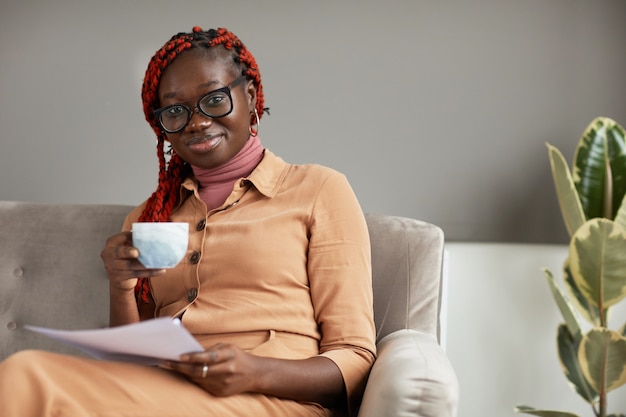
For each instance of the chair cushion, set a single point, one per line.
(51, 273)
(407, 261)
(412, 376)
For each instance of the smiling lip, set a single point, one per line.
(204, 143)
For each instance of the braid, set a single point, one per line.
(172, 173)
(242, 57)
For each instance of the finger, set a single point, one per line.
(118, 246)
(131, 270)
(125, 237)
(118, 239)
(126, 252)
(192, 370)
(216, 354)
(136, 273)
(129, 267)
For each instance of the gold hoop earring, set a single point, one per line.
(255, 132)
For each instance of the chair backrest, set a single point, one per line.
(51, 274)
(407, 263)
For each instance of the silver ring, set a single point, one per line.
(205, 369)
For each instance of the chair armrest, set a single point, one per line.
(412, 376)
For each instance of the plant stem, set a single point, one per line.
(603, 386)
(603, 403)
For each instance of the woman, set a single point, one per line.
(276, 285)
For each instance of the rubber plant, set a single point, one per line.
(592, 199)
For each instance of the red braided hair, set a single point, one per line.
(161, 203)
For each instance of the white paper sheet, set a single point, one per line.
(148, 342)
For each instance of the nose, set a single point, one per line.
(198, 120)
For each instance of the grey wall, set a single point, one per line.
(437, 110)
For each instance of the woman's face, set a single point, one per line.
(207, 142)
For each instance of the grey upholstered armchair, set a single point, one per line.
(50, 268)
(412, 375)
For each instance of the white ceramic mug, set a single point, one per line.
(160, 245)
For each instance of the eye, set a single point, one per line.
(214, 100)
(175, 112)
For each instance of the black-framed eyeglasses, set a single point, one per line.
(214, 104)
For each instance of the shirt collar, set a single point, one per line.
(267, 177)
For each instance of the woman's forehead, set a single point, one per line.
(193, 73)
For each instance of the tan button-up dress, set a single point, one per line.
(282, 269)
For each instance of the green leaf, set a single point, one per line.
(569, 202)
(587, 309)
(566, 308)
(597, 254)
(616, 138)
(568, 355)
(599, 169)
(543, 413)
(602, 356)
(620, 217)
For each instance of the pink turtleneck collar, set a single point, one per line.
(216, 184)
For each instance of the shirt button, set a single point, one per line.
(192, 294)
(18, 272)
(11, 325)
(201, 225)
(194, 258)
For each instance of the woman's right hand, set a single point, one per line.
(121, 262)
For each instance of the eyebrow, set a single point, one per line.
(174, 94)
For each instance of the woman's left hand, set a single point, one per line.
(221, 370)
(225, 369)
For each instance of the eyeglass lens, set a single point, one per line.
(215, 104)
